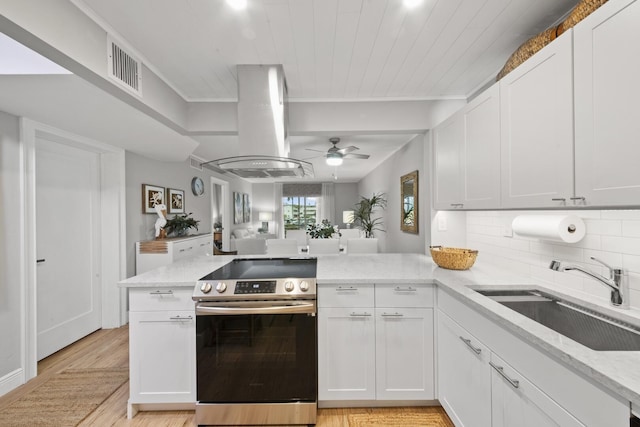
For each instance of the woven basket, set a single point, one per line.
(453, 258)
(527, 50)
(581, 11)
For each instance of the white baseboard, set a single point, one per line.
(11, 381)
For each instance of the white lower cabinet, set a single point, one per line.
(162, 345)
(372, 347)
(162, 349)
(404, 352)
(346, 360)
(464, 380)
(489, 377)
(515, 401)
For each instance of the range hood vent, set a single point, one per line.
(263, 167)
(262, 128)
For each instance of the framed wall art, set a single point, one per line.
(238, 213)
(175, 201)
(246, 208)
(152, 195)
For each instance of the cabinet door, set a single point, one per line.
(517, 402)
(464, 377)
(481, 151)
(606, 96)
(447, 142)
(537, 128)
(346, 354)
(162, 360)
(404, 354)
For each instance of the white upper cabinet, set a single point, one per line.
(607, 120)
(537, 129)
(447, 143)
(467, 155)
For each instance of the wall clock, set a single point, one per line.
(197, 186)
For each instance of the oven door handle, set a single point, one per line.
(276, 309)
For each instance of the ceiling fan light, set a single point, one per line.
(334, 159)
(237, 4)
(410, 4)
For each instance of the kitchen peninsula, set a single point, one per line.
(563, 378)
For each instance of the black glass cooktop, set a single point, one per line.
(265, 268)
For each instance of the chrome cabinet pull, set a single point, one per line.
(396, 314)
(178, 317)
(457, 205)
(409, 289)
(186, 249)
(169, 292)
(468, 343)
(365, 314)
(350, 288)
(559, 199)
(578, 198)
(500, 370)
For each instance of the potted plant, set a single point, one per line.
(323, 230)
(363, 211)
(180, 224)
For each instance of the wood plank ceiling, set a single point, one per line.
(330, 49)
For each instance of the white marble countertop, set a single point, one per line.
(617, 371)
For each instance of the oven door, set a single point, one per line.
(256, 352)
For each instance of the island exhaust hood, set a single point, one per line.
(262, 128)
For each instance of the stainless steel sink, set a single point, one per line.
(589, 328)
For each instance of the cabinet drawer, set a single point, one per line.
(388, 295)
(155, 299)
(185, 249)
(361, 295)
(203, 246)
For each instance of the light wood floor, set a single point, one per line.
(110, 348)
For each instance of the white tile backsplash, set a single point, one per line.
(612, 236)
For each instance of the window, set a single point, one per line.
(299, 211)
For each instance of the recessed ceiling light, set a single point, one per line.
(410, 4)
(237, 4)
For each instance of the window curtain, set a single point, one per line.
(279, 215)
(326, 208)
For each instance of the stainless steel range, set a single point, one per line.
(257, 343)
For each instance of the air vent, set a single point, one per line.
(124, 68)
(196, 162)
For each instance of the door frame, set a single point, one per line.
(112, 230)
(225, 209)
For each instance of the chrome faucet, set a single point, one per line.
(618, 280)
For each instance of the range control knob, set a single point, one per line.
(205, 287)
(221, 287)
(304, 286)
(289, 286)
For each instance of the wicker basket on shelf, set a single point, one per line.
(581, 11)
(453, 258)
(527, 50)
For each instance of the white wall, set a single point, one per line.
(141, 170)
(386, 179)
(612, 236)
(11, 250)
(346, 197)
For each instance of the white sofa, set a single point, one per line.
(247, 233)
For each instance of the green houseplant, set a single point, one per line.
(323, 230)
(179, 225)
(363, 211)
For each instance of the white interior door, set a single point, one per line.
(67, 243)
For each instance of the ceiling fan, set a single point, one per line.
(335, 155)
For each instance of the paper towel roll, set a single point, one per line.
(557, 228)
